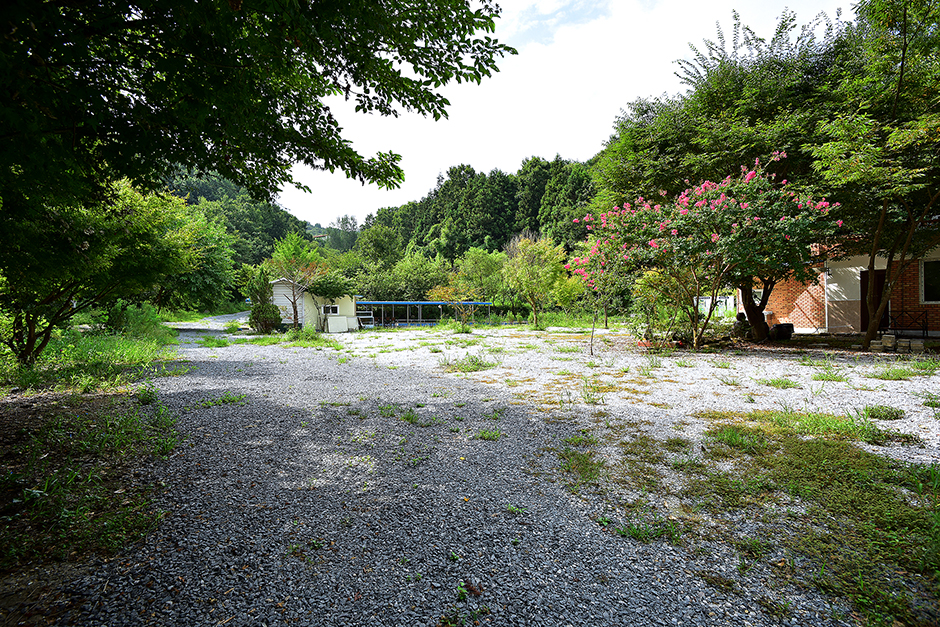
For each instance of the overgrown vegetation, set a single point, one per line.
(67, 488)
(863, 526)
(113, 353)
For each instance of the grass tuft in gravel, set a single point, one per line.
(468, 363)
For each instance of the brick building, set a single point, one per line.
(835, 302)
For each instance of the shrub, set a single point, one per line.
(265, 317)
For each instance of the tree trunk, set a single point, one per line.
(755, 311)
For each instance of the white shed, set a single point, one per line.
(338, 316)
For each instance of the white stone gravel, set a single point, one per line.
(310, 503)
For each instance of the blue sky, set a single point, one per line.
(579, 64)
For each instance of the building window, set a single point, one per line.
(930, 281)
(330, 309)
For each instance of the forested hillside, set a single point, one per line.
(470, 209)
(253, 224)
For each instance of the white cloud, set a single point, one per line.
(561, 94)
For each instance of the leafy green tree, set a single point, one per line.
(95, 92)
(533, 267)
(481, 273)
(567, 196)
(210, 281)
(254, 282)
(379, 245)
(882, 151)
(343, 232)
(296, 261)
(66, 259)
(745, 102)
(532, 179)
(254, 225)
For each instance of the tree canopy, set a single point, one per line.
(98, 91)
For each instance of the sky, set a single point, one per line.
(579, 64)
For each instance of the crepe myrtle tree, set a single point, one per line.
(740, 232)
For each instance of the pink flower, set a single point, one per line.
(838, 222)
(576, 220)
(714, 237)
(674, 232)
(749, 176)
(683, 211)
(654, 244)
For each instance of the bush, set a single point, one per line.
(265, 317)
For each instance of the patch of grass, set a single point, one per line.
(738, 437)
(468, 363)
(89, 362)
(567, 349)
(213, 341)
(873, 524)
(585, 466)
(717, 581)
(829, 374)
(721, 364)
(689, 465)
(592, 391)
(932, 400)
(855, 426)
(584, 438)
(68, 494)
(146, 394)
(781, 383)
(778, 609)
(677, 444)
(647, 531)
(883, 412)
(732, 381)
(413, 418)
(227, 398)
(904, 370)
(261, 340)
(684, 363)
(309, 338)
(489, 434)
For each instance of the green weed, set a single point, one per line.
(781, 383)
(469, 363)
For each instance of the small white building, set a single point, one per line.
(337, 316)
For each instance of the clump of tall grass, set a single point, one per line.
(102, 356)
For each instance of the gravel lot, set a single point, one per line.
(352, 487)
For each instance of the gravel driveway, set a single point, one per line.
(358, 487)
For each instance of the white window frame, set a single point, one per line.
(921, 279)
(330, 310)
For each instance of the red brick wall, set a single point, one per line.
(801, 304)
(906, 297)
